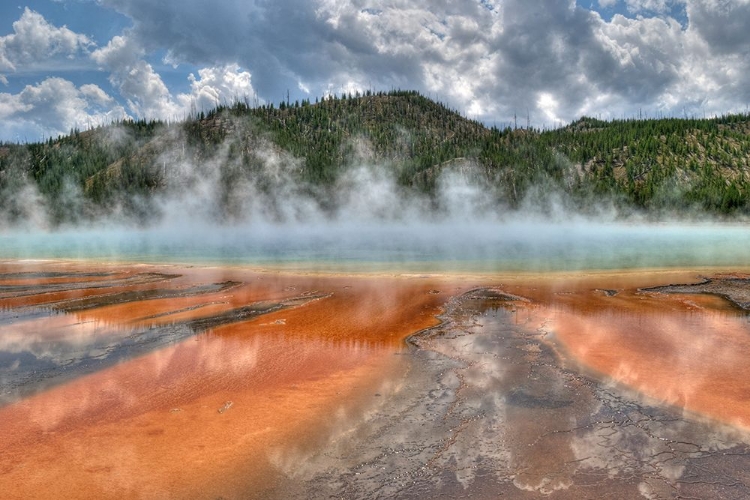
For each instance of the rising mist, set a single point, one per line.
(225, 188)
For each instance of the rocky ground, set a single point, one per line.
(735, 288)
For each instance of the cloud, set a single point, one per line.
(660, 6)
(492, 60)
(642, 57)
(553, 60)
(55, 106)
(35, 42)
(135, 79)
(120, 52)
(218, 85)
(95, 95)
(722, 24)
(147, 94)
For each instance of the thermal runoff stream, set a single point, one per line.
(523, 360)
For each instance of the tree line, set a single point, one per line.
(667, 165)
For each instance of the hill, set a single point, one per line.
(305, 149)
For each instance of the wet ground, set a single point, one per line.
(147, 382)
(733, 287)
(170, 382)
(53, 346)
(488, 410)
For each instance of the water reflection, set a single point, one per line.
(114, 400)
(677, 349)
(497, 402)
(50, 348)
(91, 321)
(216, 402)
(301, 387)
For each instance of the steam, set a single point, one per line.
(250, 206)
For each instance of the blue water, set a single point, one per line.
(461, 246)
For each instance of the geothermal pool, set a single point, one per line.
(446, 246)
(575, 377)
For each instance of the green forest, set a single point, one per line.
(658, 167)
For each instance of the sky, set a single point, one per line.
(68, 64)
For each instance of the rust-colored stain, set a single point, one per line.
(687, 350)
(267, 362)
(199, 418)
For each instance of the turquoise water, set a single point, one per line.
(458, 246)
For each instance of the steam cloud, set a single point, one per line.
(221, 209)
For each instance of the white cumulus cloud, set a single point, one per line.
(220, 85)
(53, 107)
(35, 41)
(489, 59)
(648, 5)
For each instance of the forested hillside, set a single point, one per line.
(665, 166)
